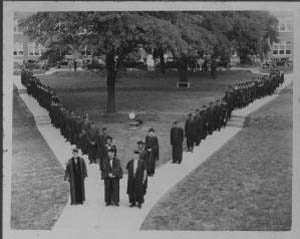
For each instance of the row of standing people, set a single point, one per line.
(203, 122)
(81, 132)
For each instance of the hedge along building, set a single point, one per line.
(283, 48)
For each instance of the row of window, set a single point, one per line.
(34, 49)
(282, 48)
(285, 26)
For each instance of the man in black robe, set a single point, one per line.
(188, 130)
(75, 174)
(92, 147)
(101, 150)
(197, 128)
(144, 157)
(85, 126)
(137, 173)
(176, 138)
(111, 174)
(152, 146)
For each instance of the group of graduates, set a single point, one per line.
(80, 131)
(216, 115)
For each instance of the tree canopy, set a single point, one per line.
(185, 34)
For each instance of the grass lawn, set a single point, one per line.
(154, 98)
(246, 185)
(39, 193)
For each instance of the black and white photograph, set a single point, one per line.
(151, 119)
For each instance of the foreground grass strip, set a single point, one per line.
(39, 193)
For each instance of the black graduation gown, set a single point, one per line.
(75, 175)
(151, 142)
(92, 146)
(176, 138)
(135, 182)
(188, 129)
(111, 185)
(144, 157)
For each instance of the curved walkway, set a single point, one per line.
(94, 215)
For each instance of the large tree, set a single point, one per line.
(116, 34)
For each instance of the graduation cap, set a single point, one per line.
(140, 142)
(136, 152)
(75, 150)
(151, 130)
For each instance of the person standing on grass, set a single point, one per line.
(137, 174)
(176, 138)
(75, 174)
(152, 146)
(111, 174)
(188, 130)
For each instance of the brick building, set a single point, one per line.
(24, 48)
(283, 49)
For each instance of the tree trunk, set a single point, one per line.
(111, 68)
(182, 69)
(111, 100)
(162, 61)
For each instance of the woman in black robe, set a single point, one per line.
(75, 174)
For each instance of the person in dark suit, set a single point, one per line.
(75, 174)
(111, 174)
(176, 140)
(137, 174)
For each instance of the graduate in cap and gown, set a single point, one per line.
(111, 174)
(137, 174)
(75, 174)
(152, 146)
(176, 138)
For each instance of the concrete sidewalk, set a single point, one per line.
(94, 215)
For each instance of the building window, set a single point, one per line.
(282, 27)
(282, 48)
(16, 26)
(34, 49)
(289, 26)
(18, 49)
(86, 51)
(285, 25)
(288, 48)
